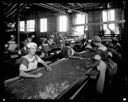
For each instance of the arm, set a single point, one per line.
(44, 63)
(94, 64)
(22, 73)
(72, 56)
(97, 61)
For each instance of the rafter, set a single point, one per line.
(49, 7)
(22, 5)
(70, 9)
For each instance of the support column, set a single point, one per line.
(18, 24)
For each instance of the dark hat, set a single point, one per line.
(51, 36)
(43, 39)
(97, 39)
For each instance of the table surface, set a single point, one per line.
(52, 83)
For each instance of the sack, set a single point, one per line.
(112, 66)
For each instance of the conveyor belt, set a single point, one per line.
(65, 74)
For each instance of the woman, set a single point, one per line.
(69, 52)
(30, 61)
(100, 57)
(11, 44)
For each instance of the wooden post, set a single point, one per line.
(17, 24)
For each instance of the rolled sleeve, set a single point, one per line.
(23, 67)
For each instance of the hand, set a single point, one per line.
(87, 66)
(48, 68)
(81, 58)
(38, 75)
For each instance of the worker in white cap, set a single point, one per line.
(11, 44)
(30, 61)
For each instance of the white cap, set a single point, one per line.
(31, 45)
(72, 42)
(12, 36)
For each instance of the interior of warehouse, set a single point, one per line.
(80, 51)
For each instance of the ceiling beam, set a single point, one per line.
(71, 9)
(13, 6)
(72, 4)
(79, 4)
(22, 5)
(49, 7)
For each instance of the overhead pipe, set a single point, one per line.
(53, 8)
(71, 9)
(53, 5)
(71, 4)
(66, 8)
(80, 5)
(48, 7)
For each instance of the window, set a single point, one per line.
(81, 19)
(78, 30)
(22, 25)
(30, 25)
(43, 25)
(79, 24)
(63, 23)
(109, 16)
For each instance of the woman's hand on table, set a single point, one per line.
(81, 58)
(49, 68)
(38, 75)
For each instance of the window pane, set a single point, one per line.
(78, 30)
(80, 19)
(104, 16)
(111, 15)
(43, 25)
(30, 25)
(22, 26)
(112, 26)
(63, 23)
(107, 31)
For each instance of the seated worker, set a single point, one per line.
(11, 44)
(61, 46)
(30, 61)
(44, 47)
(23, 51)
(69, 52)
(51, 41)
